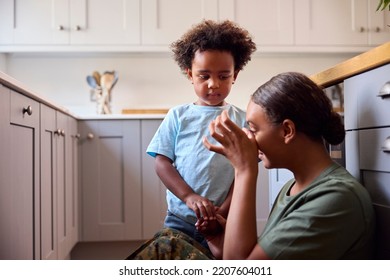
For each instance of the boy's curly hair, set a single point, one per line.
(212, 35)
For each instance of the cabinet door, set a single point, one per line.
(64, 22)
(331, 22)
(378, 28)
(19, 177)
(62, 185)
(269, 22)
(72, 163)
(111, 180)
(102, 22)
(154, 206)
(164, 21)
(40, 22)
(48, 184)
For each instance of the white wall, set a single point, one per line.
(3, 62)
(145, 80)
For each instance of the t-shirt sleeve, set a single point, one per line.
(163, 141)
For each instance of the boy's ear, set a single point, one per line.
(235, 75)
(289, 130)
(189, 74)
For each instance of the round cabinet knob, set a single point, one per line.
(77, 28)
(28, 110)
(60, 27)
(377, 29)
(77, 136)
(62, 132)
(58, 132)
(362, 29)
(90, 136)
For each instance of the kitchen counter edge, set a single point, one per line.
(17, 86)
(366, 61)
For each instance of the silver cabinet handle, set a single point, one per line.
(77, 136)
(385, 90)
(28, 110)
(386, 145)
(59, 132)
(90, 136)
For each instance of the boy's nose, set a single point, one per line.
(213, 83)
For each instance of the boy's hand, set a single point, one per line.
(204, 209)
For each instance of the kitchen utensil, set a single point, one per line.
(106, 81)
(97, 77)
(111, 79)
(92, 82)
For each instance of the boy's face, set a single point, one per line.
(212, 75)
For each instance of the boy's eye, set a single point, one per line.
(203, 77)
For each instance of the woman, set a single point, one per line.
(323, 213)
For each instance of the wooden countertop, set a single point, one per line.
(356, 65)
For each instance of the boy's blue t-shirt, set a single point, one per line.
(179, 138)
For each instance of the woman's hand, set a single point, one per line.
(214, 237)
(238, 145)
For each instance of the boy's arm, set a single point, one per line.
(174, 182)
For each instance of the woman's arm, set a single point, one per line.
(174, 182)
(225, 206)
(240, 147)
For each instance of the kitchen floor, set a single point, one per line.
(104, 250)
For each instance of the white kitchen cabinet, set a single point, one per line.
(154, 205)
(69, 22)
(19, 177)
(368, 144)
(111, 180)
(271, 23)
(164, 21)
(340, 23)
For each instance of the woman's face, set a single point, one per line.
(269, 137)
(212, 74)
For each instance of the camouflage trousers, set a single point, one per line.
(171, 244)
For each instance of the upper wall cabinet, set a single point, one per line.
(63, 22)
(152, 25)
(164, 21)
(340, 23)
(269, 22)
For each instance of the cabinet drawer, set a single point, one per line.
(24, 110)
(372, 153)
(372, 110)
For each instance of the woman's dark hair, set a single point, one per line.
(211, 35)
(296, 97)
